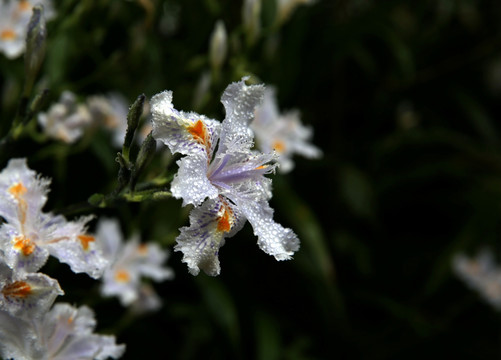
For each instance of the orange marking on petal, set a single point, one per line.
(8, 34)
(24, 5)
(19, 289)
(224, 222)
(85, 240)
(199, 132)
(279, 146)
(24, 244)
(17, 190)
(261, 167)
(122, 276)
(142, 249)
(111, 121)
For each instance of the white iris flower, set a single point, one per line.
(65, 120)
(128, 263)
(222, 177)
(283, 133)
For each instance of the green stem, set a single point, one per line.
(102, 201)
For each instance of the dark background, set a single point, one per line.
(403, 97)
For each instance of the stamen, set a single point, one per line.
(18, 289)
(85, 240)
(220, 165)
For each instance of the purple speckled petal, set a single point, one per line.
(209, 226)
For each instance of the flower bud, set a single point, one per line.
(285, 8)
(135, 112)
(251, 18)
(146, 153)
(36, 41)
(218, 47)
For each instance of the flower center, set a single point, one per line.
(279, 146)
(122, 276)
(142, 249)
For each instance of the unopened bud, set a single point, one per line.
(148, 148)
(36, 40)
(201, 94)
(135, 112)
(218, 46)
(123, 173)
(285, 8)
(251, 18)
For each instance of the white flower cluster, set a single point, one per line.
(28, 330)
(30, 327)
(14, 18)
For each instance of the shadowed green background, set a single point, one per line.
(404, 100)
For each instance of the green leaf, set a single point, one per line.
(221, 305)
(356, 189)
(267, 334)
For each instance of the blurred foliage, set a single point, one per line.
(404, 98)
